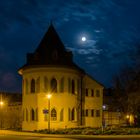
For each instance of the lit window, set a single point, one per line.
(73, 87)
(69, 114)
(26, 86)
(86, 92)
(23, 115)
(86, 113)
(97, 93)
(92, 92)
(53, 115)
(62, 85)
(23, 86)
(69, 85)
(38, 85)
(97, 113)
(53, 85)
(45, 115)
(73, 114)
(36, 114)
(78, 86)
(26, 114)
(92, 112)
(32, 86)
(32, 115)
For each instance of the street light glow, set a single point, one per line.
(127, 116)
(49, 96)
(1, 103)
(104, 107)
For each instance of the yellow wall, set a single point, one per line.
(93, 102)
(60, 100)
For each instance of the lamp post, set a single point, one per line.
(1, 104)
(103, 117)
(49, 97)
(128, 119)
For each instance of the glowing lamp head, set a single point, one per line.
(49, 96)
(1, 103)
(127, 116)
(104, 107)
(84, 39)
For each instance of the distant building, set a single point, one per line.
(10, 110)
(76, 97)
(112, 111)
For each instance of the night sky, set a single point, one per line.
(112, 28)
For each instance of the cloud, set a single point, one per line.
(90, 58)
(88, 43)
(88, 47)
(89, 51)
(97, 31)
(23, 22)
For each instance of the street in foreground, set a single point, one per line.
(13, 135)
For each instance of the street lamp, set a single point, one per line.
(103, 117)
(49, 97)
(1, 104)
(128, 119)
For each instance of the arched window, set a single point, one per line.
(53, 85)
(72, 87)
(53, 115)
(23, 115)
(69, 114)
(26, 86)
(32, 86)
(26, 114)
(38, 85)
(69, 85)
(61, 115)
(46, 115)
(45, 84)
(97, 93)
(23, 86)
(36, 114)
(62, 85)
(78, 86)
(73, 114)
(32, 115)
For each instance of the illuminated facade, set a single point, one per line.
(76, 97)
(10, 111)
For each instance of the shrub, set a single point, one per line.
(93, 131)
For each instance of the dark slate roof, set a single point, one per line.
(51, 52)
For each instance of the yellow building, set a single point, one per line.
(76, 97)
(10, 110)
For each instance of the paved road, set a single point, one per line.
(13, 137)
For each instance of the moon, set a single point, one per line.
(84, 39)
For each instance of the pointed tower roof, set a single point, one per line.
(51, 52)
(50, 40)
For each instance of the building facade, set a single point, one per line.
(76, 97)
(10, 110)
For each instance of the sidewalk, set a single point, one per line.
(17, 133)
